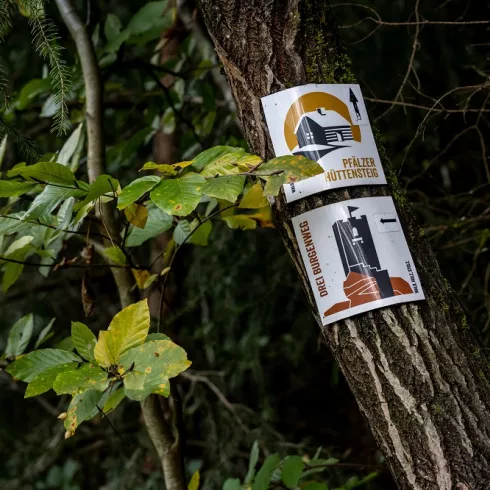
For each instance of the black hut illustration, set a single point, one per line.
(312, 132)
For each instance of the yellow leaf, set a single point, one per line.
(183, 164)
(194, 483)
(263, 217)
(165, 271)
(115, 254)
(150, 281)
(254, 198)
(140, 276)
(136, 214)
(128, 329)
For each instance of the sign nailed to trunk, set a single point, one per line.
(357, 257)
(329, 124)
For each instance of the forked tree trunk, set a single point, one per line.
(418, 374)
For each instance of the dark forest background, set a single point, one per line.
(260, 369)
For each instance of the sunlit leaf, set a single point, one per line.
(133, 191)
(19, 336)
(136, 214)
(254, 198)
(11, 188)
(273, 185)
(28, 366)
(228, 187)
(86, 377)
(152, 363)
(157, 223)
(127, 330)
(84, 340)
(179, 196)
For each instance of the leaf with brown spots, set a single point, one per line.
(179, 197)
(82, 407)
(136, 214)
(154, 363)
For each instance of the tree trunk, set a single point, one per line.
(418, 374)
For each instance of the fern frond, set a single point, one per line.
(45, 37)
(6, 9)
(26, 145)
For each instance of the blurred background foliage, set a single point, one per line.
(260, 369)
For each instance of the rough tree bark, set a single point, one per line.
(418, 374)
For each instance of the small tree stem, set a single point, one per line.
(167, 448)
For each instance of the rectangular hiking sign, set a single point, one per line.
(329, 124)
(356, 257)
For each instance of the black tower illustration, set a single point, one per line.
(358, 252)
(354, 102)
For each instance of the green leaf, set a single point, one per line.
(252, 463)
(240, 222)
(49, 199)
(294, 167)
(66, 344)
(201, 235)
(254, 198)
(182, 231)
(224, 160)
(19, 336)
(31, 90)
(321, 463)
(149, 22)
(157, 336)
(274, 184)
(292, 469)
(112, 27)
(232, 484)
(136, 214)
(179, 196)
(115, 398)
(44, 381)
(115, 254)
(264, 475)
(314, 485)
(228, 187)
(104, 186)
(151, 365)
(136, 189)
(157, 223)
(82, 407)
(71, 144)
(12, 188)
(16, 251)
(27, 367)
(84, 340)
(13, 223)
(164, 168)
(50, 172)
(45, 333)
(127, 330)
(86, 377)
